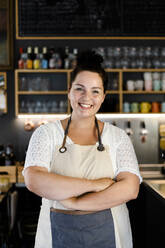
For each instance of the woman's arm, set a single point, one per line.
(57, 187)
(125, 189)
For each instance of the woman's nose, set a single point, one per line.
(87, 94)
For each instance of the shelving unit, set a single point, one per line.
(3, 92)
(59, 83)
(48, 88)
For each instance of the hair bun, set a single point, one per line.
(89, 58)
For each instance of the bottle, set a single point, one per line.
(74, 58)
(2, 155)
(36, 62)
(44, 61)
(58, 61)
(21, 61)
(9, 155)
(29, 62)
(52, 59)
(66, 58)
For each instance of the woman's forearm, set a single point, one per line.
(57, 187)
(118, 193)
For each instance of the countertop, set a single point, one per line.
(153, 177)
(158, 186)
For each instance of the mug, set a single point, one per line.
(156, 76)
(156, 84)
(155, 107)
(148, 84)
(163, 84)
(163, 75)
(134, 107)
(139, 84)
(126, 107)
(145, 107)
(130, 85)
(147, 76)
(163, 107)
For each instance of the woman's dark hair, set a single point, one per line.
(90, 61)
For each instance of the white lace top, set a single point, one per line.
(45, 138)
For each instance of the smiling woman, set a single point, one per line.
(85, 170)
(86, 94)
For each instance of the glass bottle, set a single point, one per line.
(58, 61)
(36, 62)
(20, 61)
(74, 58)
(29, 63)
(52, 59)
(66, 58)
(44, 61)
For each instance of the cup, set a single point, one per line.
(163, 107)
(156, 75)
(148, 84)
(163, 84)
(134, 107)
(155, 107)
(156, 84)
(163, 75)
(139, 84)
(145, 107)
(126, 107)
(130, 85)
(147, 76)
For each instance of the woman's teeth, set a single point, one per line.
(85, 105)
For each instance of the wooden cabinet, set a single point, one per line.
(45, 91)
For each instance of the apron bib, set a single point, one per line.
(83, 162)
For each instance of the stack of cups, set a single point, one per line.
(148, 81)
(163, 81)
(156, 82)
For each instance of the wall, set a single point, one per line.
(12, 130)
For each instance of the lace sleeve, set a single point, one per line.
(38, 152)
(126, 157)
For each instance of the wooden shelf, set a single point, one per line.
(112, 91)
(42, 70)
(41, 113)
(42, 92)
(142, 92)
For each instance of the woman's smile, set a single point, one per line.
(85, 105)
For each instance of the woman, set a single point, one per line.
(85, 170)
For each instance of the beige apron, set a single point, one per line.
(82, 162)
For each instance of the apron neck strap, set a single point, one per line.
(63, 147)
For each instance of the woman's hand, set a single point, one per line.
(69, 203)
(102, 183)
(99, 185)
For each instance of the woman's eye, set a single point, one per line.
(96, 92)
(79, 89)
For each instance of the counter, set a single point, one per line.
(158, 186)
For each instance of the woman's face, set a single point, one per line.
(86, 94)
